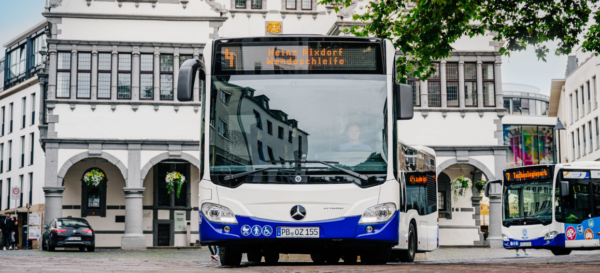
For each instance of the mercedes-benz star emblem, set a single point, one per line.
(298, 178)
(298, 212)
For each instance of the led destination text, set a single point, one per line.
(522, 175)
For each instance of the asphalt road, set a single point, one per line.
(198, 260)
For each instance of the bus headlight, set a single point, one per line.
(550, 235)
(218, 213)
(505, 238)
(379, 213)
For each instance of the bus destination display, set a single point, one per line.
(315, 57)
(528, 174)
(418, 178)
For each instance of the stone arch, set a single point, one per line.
(104, 155)
(165, 156)
(473, 162)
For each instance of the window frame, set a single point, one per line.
(171, 73)
(417, 96)
(31, 147)
(119, 72)
(457, 86)
(105, 72)
(434, 80)
(80, 71)
(295, 5)
(24, 112)
(493, 81)
(33, 96)
(67, 71)
(146, 72)
(472, 81)
(240, 7)
(302, 5)
(252, 4)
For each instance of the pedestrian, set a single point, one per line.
(524, 251)
(214, 253)
(6, 227)
(15, 237)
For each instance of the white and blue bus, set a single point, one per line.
(552, 207)
(300, 154)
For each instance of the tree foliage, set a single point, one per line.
(425, 31)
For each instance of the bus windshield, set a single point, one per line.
(527, 203)
(277, 121)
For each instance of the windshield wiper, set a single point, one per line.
(326, 163)
(234, 176)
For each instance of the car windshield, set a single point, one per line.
(268, 121)
(72, 223)
(527, 203)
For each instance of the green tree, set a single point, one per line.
(424, 32)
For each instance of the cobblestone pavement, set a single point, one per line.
(198, 260)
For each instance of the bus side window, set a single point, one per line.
(596, 198)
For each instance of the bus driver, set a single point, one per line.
(353, 133)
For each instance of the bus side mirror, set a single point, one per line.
(564, 188)
(185, 84)
(404, 101)
(488, 185)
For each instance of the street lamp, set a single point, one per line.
(559, 126)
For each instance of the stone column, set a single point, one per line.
(53, 206)
(134, 235)
(424, 94)
(176, 66)
(73, 94)
(479, 83)
(443, 90)
(135, 73)
(51, 69)
(461, 83)
(94, 90)
(156, 74)
(498, 84)
(53, 188)
(495, 225)
(114, 72)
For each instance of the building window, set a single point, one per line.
(84, 75)
(597, 135)
(224, 96)
(489, 95)
(591, 148)
(222, 128)
(21, 180)
(270, 152)
(23, 112)
(37, 44)
(507, 102)
(256, 4)
(63, 75)
(147, 76)
(11, 116)
(578, 150)
(16, 62)
(434, 88)
(571, 104)
(441, 200)
(162, 197)
(595, 92)
(525, 107)
(31, 149)
(529, 145)
(32, 109)
(8, 196)
(3, 118)
(124, 77)
(471, 85)
(269, 127)
(22, 151)
(261, 154)
(166, 77)
(30, 188)
(240, 4)
(258, 120)
(415, 84)
(280, 132)
(9, 155)
(307, 4)
(573, 150)
(290, 135)
(104, 75)
(452, 84)
(2, 158)
(184, 58)
(290, 4)
(93, 198)
(584, 147)
(589, 94)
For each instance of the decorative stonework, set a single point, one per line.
(55, 3)
(349, 11)
(273, 27)
(216, 7)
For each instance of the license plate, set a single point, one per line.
(74, 238)
(525, 243)
(298, 232)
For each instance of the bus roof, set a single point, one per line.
(572, 165)
(298, 37)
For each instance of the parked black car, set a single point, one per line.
(69, 232)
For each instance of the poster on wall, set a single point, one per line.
(35, 232)
(180, 221)
(35, 219)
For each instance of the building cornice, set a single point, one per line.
(123, 43)
(132, 17)
(121, 144)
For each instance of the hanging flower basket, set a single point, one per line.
(94, 178)
(174, 179)
(479, 185)
(460, 185)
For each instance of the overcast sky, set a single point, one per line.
(17, 16)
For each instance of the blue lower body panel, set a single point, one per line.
(558, 241)
(251, 230)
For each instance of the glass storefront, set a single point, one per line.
(526, 107)
(529, 145)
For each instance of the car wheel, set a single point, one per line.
(230, 256)
(91, 249)
(81, 249)
(51, 248)
(44, 244)
(317, 258)
(272, 258)
(560, 252)
(254, 257)
(408, 256)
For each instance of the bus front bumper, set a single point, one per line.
(558, 241)
(344, 229)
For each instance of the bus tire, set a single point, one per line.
(332, 258)
(350, 258)
(271, 258)
(408, 256)
(254, 257)
(560, 252)
(376, 255)
(317, 258)
(230, 256)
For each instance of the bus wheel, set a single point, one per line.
(332, 258)
(254, 257)
(230, 256)
(350, 258)
(317, 258)
(409, 255)
(271, 258)
(558, 252)
(376, 255)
